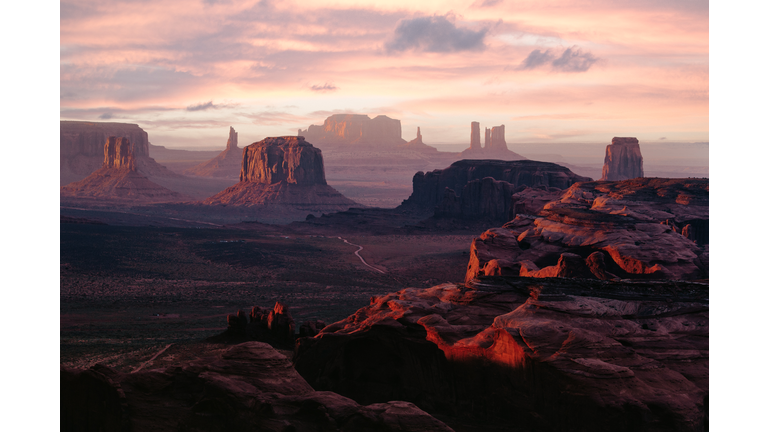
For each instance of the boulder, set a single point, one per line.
(622, 159)
(246, 387)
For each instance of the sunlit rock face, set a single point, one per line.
(356, 130)
(118, 153)
(543, 354)
(429, 188)
(636, 228)
(81, 149)
(623, 159)
(245, 387)
(119, 179)
(289, 159)
(285, 171)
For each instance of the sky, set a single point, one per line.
(550, 71)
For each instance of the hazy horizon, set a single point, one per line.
(552, 72)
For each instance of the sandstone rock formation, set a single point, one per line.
(486, 199)
(119, 179)
(417, 144)
(274, 326)
(622, 159)
(226, 164)
(633, 224)
(546, 354)
(284, 171)
(81, 150)
(246, 387)
(495, 145)
(358, 130)
(474, 138)
(429, 188)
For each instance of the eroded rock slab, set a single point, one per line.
(248, 387)
(545, 354)
(636, 227)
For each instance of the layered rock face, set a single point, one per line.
(289, 159)
(82, 149)
(545, 354)
(226, 164)
(622, 159)
(246, 387)
(119, 178)
(118, 153)
(631, 229)
(486, 199)
(356, 130)
(286, 171)
(429, 188)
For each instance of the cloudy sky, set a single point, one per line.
(550, 71)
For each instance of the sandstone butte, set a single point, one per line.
(622, 159)
(118, 179)
(417, 144)
(226, 164)
(495, 145)
(286, 171)
(644, 228)
(245, 387)
(81, 149)
(356, 130)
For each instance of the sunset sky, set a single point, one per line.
(550, 71)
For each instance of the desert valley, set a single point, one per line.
(475, 215)
(243, 290)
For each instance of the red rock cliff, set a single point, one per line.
(623, 160)
(118, 153)
(290, 159)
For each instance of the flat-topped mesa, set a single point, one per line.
(356, 129)
(232, 141)
(87, 138)
(429, 188)
(118, 153)
(623, 159)
(288, 159)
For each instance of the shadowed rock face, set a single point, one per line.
(545, 354)
(248, 387)
(480, 199)
(635, 226)
(356, 130)
(428, 189)
(289, 159)
(623, 159)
